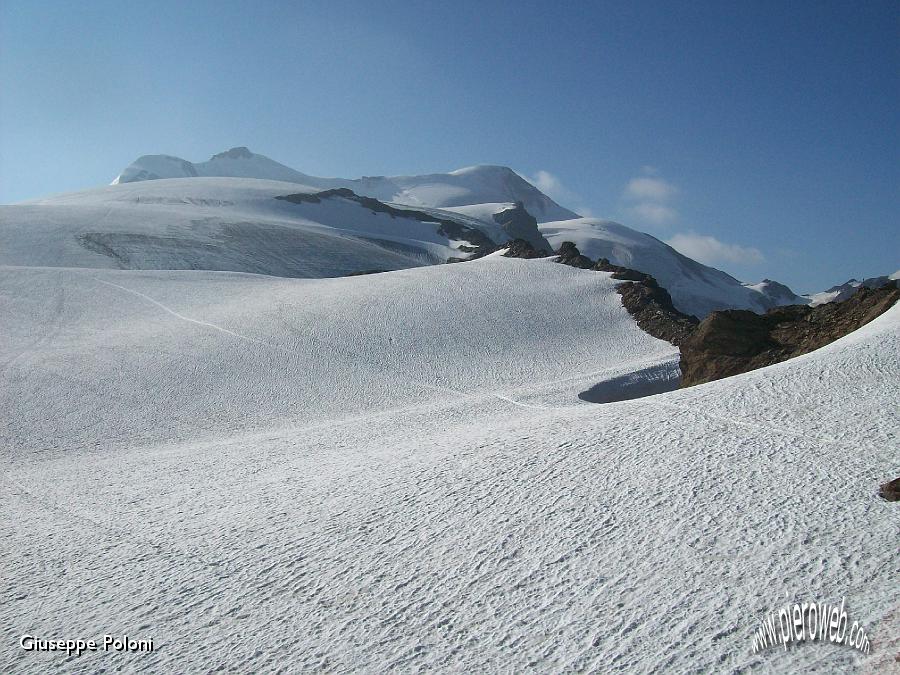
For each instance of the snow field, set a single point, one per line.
(248, 473)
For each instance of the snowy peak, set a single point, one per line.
(234, 153)
(155, 167)
(777, 293)
(237, 162)
(844, 291)
(479, 184)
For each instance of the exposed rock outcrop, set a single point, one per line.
(619, 272)
(651, 306)
(568, 254)
(736, 341)
(519, 224)
(727, 342)
(519, 248)
(649, 303)
(890, 491)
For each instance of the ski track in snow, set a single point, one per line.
(286, 525)
(206, 324)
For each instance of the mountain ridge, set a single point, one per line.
(477, 184)
(233, 223)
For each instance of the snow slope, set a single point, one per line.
(471, 185)
(695, 288)
(307, 351)
(219, 224)
(371, 474)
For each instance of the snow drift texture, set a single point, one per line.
(395, 472)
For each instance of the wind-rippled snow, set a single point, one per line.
(395, 473)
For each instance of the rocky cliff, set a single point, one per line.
(736, 341)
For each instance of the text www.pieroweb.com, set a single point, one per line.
(809, 621)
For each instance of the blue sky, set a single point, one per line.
(759, 137)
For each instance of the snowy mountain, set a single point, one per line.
(241, 225)
(777, 293)
(472, 185)
(695, 288)
(281, 228)
(843, 291)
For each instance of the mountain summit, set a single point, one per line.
(479, 184)
(237, 162)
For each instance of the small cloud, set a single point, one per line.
(650, 198)
(553, 187)
(709, 250)
(654, 214)
(650, 189)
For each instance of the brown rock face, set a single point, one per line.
(890, 491)
(652, 308)
(568, 254)
(519, 224)
(619, 272)
(520, 248)
(736, 341)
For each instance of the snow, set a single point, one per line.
(235, 163)
(695, 288)
(472, 185)
(777, 294)
(846, 290)
(328, 347)
(236, 224)
(476, 185)
(217, 224)
(484, 214)
(823, 297)
(396, 472)
(262, 464)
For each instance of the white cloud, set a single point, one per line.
(547, 183)
(654, 214)
(650, 198)
(645, 188)
(553, 187)
(709, 250)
